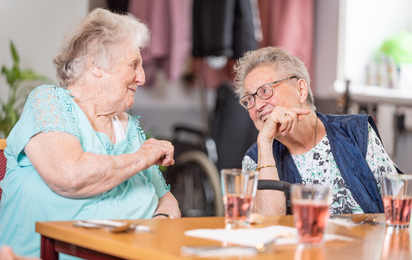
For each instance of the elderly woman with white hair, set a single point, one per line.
(75, 154)
(297, 145)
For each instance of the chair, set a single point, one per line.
(277, 185)
(3, 161)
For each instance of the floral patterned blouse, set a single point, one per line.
(326, 173)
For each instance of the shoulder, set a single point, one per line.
(354, 119)
(47, 89)
(348, 123)
(47, 93)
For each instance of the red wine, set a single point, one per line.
(310, 220)
(397, 210)
(237, 207)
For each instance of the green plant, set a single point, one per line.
(12, 107)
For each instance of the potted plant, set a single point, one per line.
(19, 89)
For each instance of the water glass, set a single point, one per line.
(238, 189)
(310, 208)
(397, 199)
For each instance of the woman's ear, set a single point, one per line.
(303, 90)
(95, 70)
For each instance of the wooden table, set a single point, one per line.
(372, 241)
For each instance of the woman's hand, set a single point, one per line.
(282, 121)
(156, 152)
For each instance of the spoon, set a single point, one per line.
(360, 219)
(123, 228)
(113, 226)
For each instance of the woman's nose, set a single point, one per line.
(140, 76)
(259, 103)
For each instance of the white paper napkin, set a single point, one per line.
(252, 236)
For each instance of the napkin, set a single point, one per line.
(252, 236)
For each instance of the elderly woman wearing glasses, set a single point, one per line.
(298, 145)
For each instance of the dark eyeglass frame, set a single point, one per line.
(271, 88)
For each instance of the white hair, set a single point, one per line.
(97, 35)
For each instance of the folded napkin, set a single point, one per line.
(252, 236)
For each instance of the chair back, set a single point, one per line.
(3, 161)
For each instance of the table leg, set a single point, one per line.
(47, 250)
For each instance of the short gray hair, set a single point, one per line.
(97, 35)
(281, 60)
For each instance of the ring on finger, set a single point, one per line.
(285, 115)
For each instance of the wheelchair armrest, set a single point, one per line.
(273, 185)
(280, 186)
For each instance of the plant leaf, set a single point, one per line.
(15, 55)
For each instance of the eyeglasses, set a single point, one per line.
(263, 92)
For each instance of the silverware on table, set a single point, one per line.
(113, 226)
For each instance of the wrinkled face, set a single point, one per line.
(285, 94)
(123, 78)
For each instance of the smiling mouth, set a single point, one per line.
(132, 90)
(264, 118)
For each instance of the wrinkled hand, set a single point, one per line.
(282, 121)
(156, 152)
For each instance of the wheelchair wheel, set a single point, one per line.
(195, 183)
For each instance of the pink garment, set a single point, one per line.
(290, 25)
(170, 24)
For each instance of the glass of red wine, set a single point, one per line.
(238, 190)
(397, 200)
(310, 208)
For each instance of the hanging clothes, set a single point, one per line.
(223, 28)
(290, 25)
(170, 24)
(118, 6)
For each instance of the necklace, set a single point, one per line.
(314, 145)
(89, 118)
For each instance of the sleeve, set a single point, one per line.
(248, 163)
(159, 182)
(48, 108)
(378, 160)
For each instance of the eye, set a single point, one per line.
(264, 91)
(134, 64)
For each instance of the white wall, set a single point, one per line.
(368, 23)
(36, 28)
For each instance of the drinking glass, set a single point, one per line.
(310, 208)
(396, 244)
(397, 200)
(238, 189)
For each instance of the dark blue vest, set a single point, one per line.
(348, 138)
